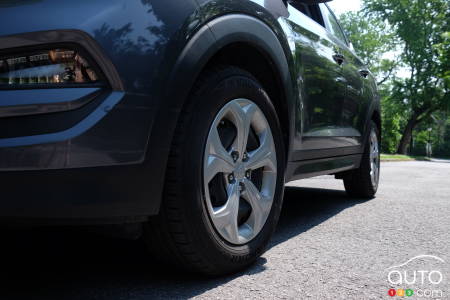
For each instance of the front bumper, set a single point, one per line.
(87, 163)
(88, 195)
(91, 172)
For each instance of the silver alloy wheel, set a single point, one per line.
(235, 166)
(374, 159)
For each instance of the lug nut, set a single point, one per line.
(248, 174)
(245, 156)
(235, 155)
(241, 187)
(231, 178)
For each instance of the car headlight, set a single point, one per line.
(46, 68)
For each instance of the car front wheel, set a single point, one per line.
(224, 183)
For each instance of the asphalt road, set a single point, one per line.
(327, 246)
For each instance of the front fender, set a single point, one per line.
(204, 44)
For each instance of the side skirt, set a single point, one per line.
(325, 166)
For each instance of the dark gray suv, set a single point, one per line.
(181, 121)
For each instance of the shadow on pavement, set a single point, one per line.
(304, 208)
(69, 263)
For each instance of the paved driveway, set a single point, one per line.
(327, 246)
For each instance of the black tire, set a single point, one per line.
(183, 234)
(358, 183)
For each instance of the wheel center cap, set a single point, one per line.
(239, 172)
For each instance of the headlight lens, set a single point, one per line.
(46, 67)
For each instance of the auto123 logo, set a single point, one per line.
(419, 277)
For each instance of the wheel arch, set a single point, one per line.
(248, 43)
(216, 42)
(251, 59)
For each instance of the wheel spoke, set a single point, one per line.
(218, 159)
(374, 150)
(260, 204)
(242, 116)
(235, 171)
(264, 156)
(225, 218)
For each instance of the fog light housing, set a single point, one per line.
(46, 68)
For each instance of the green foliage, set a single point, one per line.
(419, 24)
(371, 38)
(392, 122)
(443, 49)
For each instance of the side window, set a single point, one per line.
(335, 28)
(312, 11)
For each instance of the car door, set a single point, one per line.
(320, 78)
(357, 97)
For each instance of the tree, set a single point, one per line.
(420, 26)
(372, 39)
(392, 121)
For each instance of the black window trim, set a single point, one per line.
(327, 25)
(317, 10)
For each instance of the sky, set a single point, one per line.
(342, 6)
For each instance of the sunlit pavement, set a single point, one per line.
(327, 246)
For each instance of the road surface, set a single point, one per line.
(327, 246)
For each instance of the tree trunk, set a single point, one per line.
(407, 134)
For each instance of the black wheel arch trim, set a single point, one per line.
(203, 45)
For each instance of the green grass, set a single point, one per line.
(399, 157)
